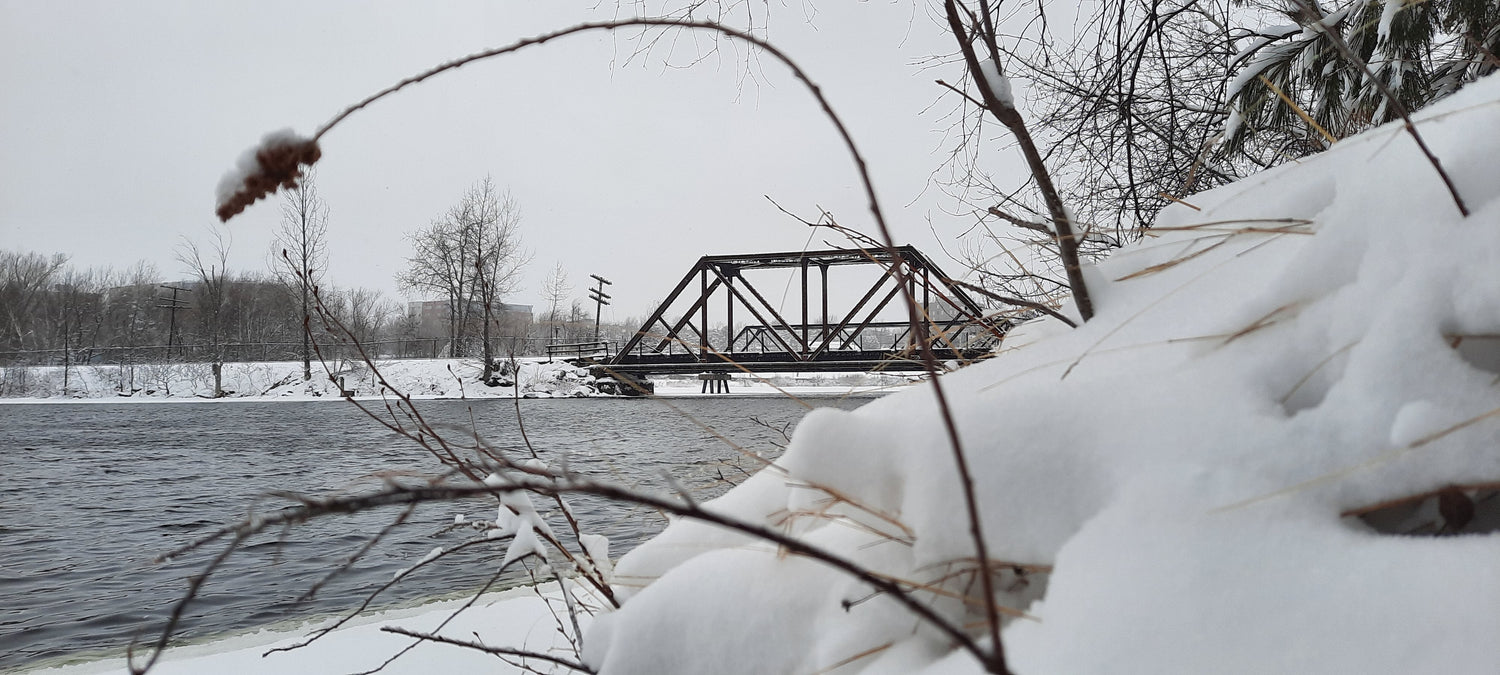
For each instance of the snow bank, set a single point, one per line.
(1180, 462)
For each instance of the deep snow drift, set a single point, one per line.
(1180, 462)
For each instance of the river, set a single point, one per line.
(91, 493)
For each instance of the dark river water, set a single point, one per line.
(91, 493)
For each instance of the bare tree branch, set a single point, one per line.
(502, 651)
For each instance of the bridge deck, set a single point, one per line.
(778, 362)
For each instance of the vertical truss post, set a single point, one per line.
(912, 334)
(927, 293)
(729, 273)
(823, 336)
(703, 315)
(805, 349)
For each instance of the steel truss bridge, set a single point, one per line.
(720, 291)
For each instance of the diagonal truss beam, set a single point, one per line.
(774, 334)
(674, 333)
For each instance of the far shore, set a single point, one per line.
(420, 379)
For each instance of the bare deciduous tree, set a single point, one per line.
(129, 316)
(364, 312)
(472, 256)
(299, 252)
(211, 269)
(555, 290)
(76, 301)
(23, 276)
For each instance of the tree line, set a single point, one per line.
(470, 259)
(54, 310)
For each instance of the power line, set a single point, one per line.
(172, 305)
(600, 299)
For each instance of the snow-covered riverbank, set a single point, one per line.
(519, 616)
(419, 378)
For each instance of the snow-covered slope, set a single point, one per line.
(1256, 368)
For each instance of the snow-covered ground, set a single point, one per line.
(522, 615)
(419, 378)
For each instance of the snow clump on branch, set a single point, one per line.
(998, 82)
(273, 164)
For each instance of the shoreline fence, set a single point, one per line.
(254, 352)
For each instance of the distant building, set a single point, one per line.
(431, 318)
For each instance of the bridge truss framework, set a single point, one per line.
(759, 337)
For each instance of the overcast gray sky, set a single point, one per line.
(118, 119)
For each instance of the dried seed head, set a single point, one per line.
(276, 163)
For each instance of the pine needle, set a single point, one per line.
(1298, 109)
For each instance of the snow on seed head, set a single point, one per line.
(262, 170)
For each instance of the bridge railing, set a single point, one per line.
(601, 349)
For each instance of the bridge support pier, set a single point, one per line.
(715, 383)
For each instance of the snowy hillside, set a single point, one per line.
(1163, 487)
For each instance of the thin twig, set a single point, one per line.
(314, 636)
(548, 485)
(349, 562)
(1399, 501)
(1018, 302)
(505, 651)
(194, 585)
(1018, 221)
(1006, 113)
(467, 604)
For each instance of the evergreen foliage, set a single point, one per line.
(1422, 51)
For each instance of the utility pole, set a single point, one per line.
(600, 299)
(172, 306)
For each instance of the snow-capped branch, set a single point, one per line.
(275, 163)
(488, 649)
(996, 97)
